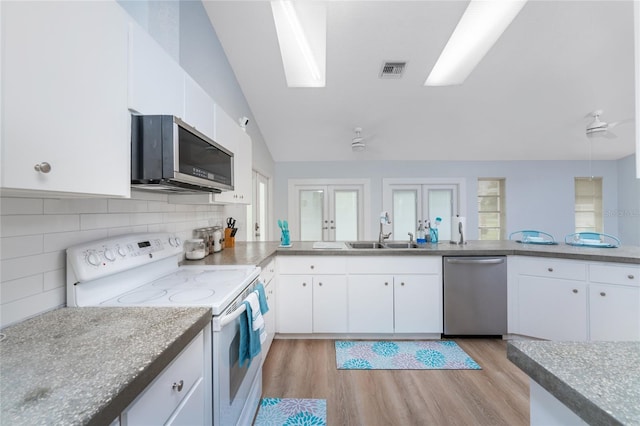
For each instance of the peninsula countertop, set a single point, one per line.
(599, 381)
(259, 253)
(86, 365)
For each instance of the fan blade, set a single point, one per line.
(616, 123)
(608, 135)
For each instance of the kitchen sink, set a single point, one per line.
(365, 245)
(400, 245)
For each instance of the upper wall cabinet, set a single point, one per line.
(65, 124)
(156, 81)
(199, 108)
(233, 137)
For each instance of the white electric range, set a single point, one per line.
(144, 270)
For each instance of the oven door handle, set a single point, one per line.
(227, 319)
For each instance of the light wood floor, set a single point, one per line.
(496, 395)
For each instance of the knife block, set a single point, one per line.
(229, 241)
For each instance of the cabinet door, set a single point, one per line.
(330, 304)
(156, 80)
(64, 90)
(552, 309)
(370, 302)
(614, 312)
(199, 108)
(417, 303)
(295, 304)
(270, 317)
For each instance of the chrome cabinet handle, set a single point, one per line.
(42, 167)
(575, 290)
(386, 283)
(320, 284)
(304, 284)
(401, 283)
(312, 266)
(550, 269)
(630, 276)
(602, 293)
(178, 386)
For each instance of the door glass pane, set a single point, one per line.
(404, 217)
(440, 203)
(311, 217)
(346, 215)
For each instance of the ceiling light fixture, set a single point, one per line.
(482, 23)
(303, 50)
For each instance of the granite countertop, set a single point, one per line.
(86, 365)
(259, 253)
(599, 381)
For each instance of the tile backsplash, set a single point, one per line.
(34, 233)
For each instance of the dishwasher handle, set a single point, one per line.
(491, 261)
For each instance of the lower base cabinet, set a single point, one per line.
(295, 304)
(178, 395)
(370, 303)
(417, 301)
(614, 312)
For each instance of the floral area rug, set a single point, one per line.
(291, 411)
(401, 355)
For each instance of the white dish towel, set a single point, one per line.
(257, 319)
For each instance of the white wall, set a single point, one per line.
(540, 194)
(628, 211)
(35, 233)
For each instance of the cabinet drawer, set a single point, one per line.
(312, 265)
(553, 268)
(268, 271)
(160, 399)
(613, 274)
(394, 265)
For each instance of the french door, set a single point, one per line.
(413, 204)
(327, 212)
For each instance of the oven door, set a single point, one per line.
(235, 397)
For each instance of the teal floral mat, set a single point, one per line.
(291, 411)
(402, 355)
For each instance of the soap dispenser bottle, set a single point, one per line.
(421, 236)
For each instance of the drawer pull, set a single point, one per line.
(311, 266)
(320, 284)
(602, 293)
(550, 269)
(402, 284)
(386, 283)
(42, 167)
(178, 386)
(304, 284)
(630, 276)
(575, 290)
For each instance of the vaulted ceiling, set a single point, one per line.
(526, 100)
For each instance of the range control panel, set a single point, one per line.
(100, 258)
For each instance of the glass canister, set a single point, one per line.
(194, 249)
(217, 239)
(203, 234)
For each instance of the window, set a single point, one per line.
(588, 204)
(491, 209)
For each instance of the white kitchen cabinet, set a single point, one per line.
(330, 304)
(553, 309)
(370, 303)
(229, 134)
(295, 304)
(614, 302)
(417, 302)
(156, 80)
(199, 108)
(65, 124)
(268, 277)
(178, 395)
(613, 312)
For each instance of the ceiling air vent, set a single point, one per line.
(392, 69)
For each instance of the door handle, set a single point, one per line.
(476, 261)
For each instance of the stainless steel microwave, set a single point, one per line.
(168, 155)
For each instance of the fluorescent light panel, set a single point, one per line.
(481, 25)
(303, 48)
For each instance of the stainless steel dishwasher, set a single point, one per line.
(475, 295)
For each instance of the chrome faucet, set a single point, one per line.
(462, 241)
(410, 237)
(384, 219)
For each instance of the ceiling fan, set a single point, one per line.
(599, 128)
(357, 143)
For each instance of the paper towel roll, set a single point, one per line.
(455, 223)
